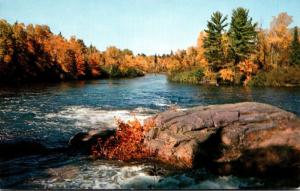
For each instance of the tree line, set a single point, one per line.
(31, 53)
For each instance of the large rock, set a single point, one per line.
(246, 138)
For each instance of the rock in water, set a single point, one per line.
(84, 141)
(243, 138)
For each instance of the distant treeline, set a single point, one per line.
(34, 53)
(227, 52)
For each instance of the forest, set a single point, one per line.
(235, 51)
(31, 53)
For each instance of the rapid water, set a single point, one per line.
(51, 113)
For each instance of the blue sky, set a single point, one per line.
(148, 26)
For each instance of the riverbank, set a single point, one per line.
(102, 74)
(278, 77)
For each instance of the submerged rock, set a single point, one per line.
(244, 138)
(84, 141)
(63, 173)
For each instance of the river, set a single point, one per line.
(51, 113)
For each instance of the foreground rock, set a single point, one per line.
(243, 138)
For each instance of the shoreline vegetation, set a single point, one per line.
(233, 51)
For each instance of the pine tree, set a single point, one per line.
(212, 43)
(242, 35)
(295, 49)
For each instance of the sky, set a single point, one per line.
(144, 26)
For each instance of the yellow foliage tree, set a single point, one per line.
(200, 51)
(227, 74)
(279, 38)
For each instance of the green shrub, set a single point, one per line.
(132, 72)
(199, 74)
(258, 80)
(281, 76)
(193, 76)
(114, 71)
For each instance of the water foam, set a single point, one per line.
(99, 176)
(103, 175)
(162, 102)
(86, 117)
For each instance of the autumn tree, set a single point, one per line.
(7, 43)
(214, 49)
(262, 50)
(295, 49)
(95, 60)
(201, 60)
(20, 49)
(42, 64)
(113, 56)
(79, 49)
(242, 35)
(279, 38)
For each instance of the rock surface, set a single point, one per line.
(243, 138)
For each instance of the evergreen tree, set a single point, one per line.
(242, 35)
(212, 43)
(295, 49)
